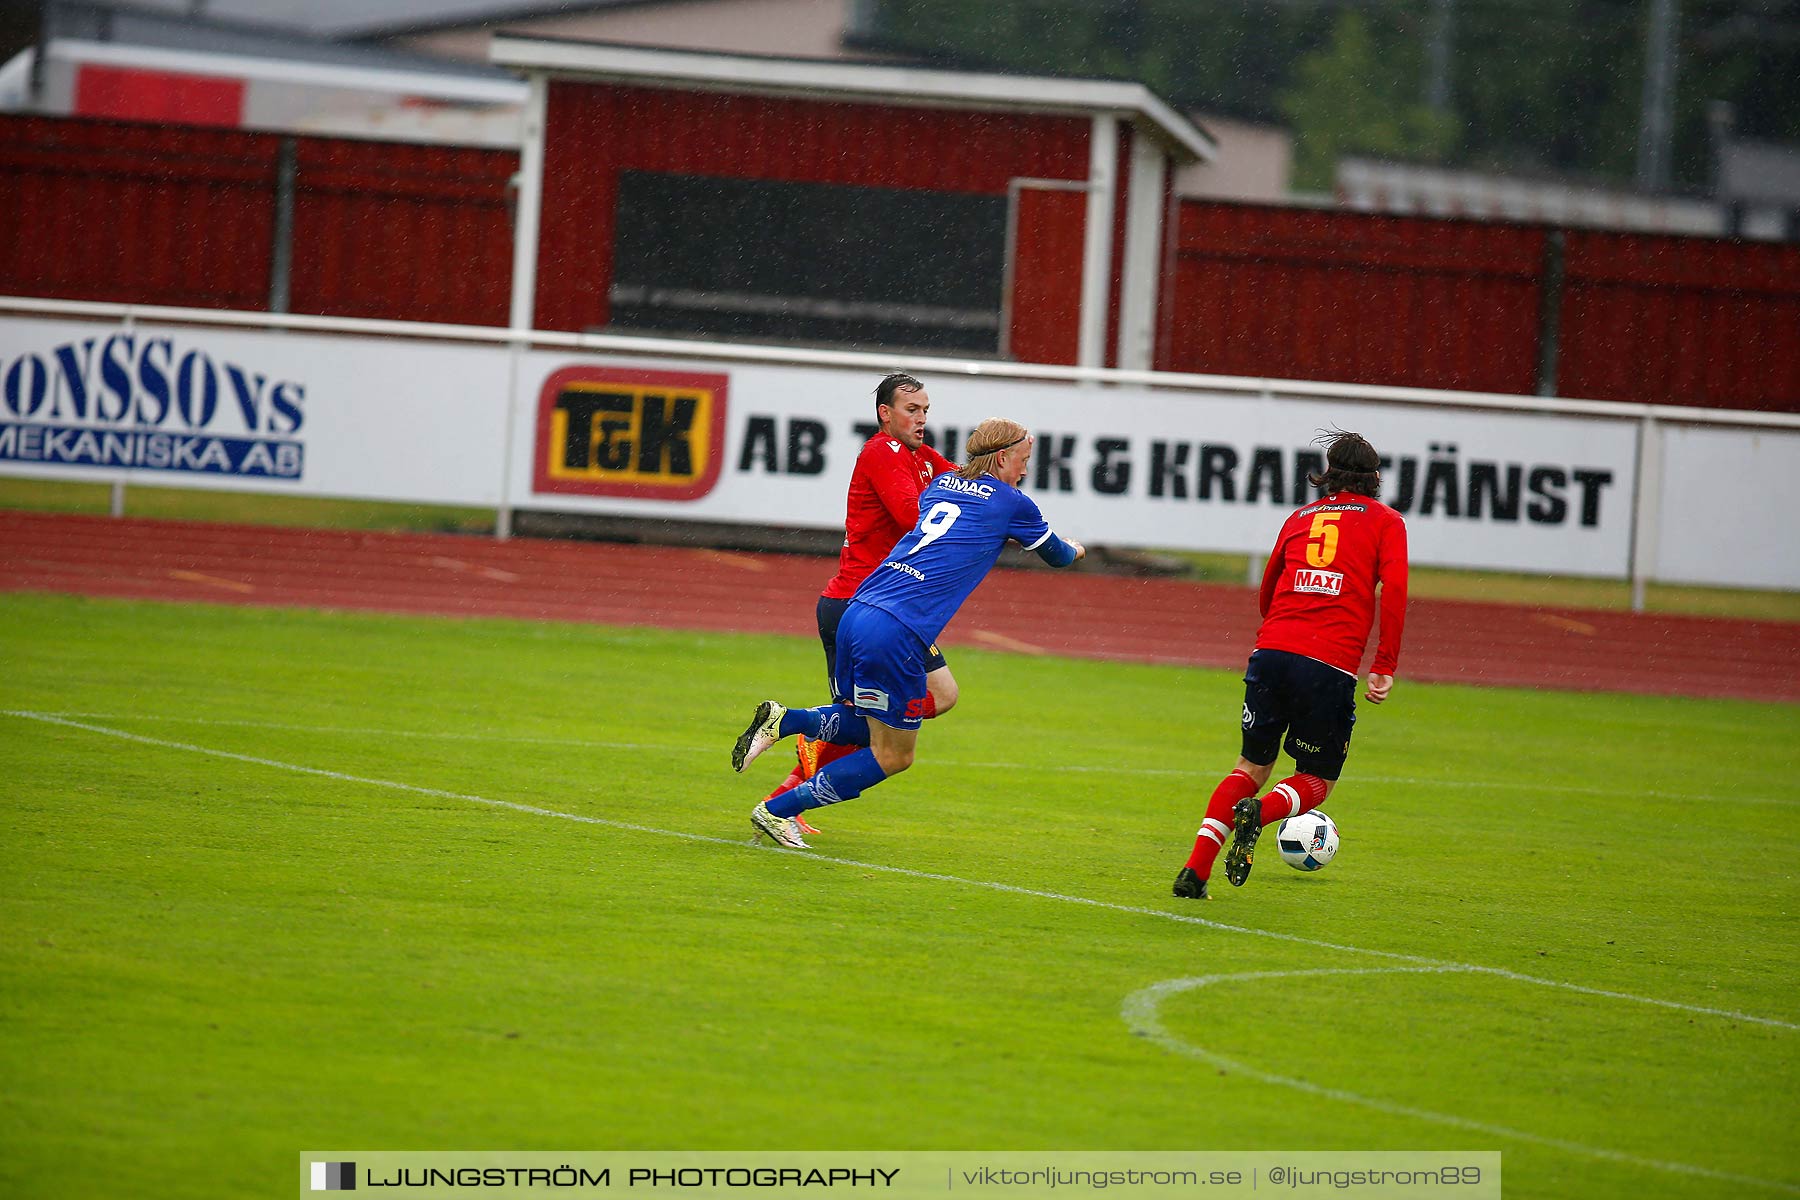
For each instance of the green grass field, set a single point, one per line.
(273, 900)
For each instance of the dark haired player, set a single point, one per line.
(1318, 603)
(884, 639)
(891, 470)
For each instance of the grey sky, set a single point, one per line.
(348, 18)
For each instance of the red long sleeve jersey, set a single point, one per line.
(1318, 591)
(883, 506)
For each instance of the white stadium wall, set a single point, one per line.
(767, 437)
(270, 412)
(1131, 466)
(1727, 507)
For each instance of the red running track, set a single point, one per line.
(1029, 611)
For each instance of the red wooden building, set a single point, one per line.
(994, 214)
(880, 207)
(138, 213)
(1296, 293)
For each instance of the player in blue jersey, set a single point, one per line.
(966, 518)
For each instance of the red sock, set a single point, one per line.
(793, 781)
(804, 749)
(1217, 826)
(1291, 797)
(821, 753)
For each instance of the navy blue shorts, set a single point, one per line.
(880, 667)
(1313, 703)
(830, 610)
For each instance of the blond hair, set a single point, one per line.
(986, 441)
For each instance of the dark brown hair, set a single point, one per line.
(899, 381)
(1351, 465)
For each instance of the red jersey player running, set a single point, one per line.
(895, 465)
(1318, 602)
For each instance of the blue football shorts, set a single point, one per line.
(880, 669)
(830, 611)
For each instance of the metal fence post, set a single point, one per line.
(117, 506)
(503, 512)
(1646, 513)
(1550, 305)
(281, 251)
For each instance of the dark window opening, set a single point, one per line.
(753, 260)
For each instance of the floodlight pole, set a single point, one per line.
(1437, 55)
(1656, 123)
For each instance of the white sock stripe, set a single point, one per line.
(1293, 798)
(1217, 828)
(1208, 833)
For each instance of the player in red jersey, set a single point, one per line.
(1318, 603)
(893, 467)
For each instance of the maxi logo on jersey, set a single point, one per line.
(604, 431)
(1317, 582)
(145, 402)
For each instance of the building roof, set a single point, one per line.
(371, 18)
(1760, 172)
(400, 80)
(840, 79)
(401, 18)
(105, 30)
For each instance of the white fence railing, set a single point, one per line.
(675, 429)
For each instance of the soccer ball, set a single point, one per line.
(1307, 842)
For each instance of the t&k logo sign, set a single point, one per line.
(603, 431)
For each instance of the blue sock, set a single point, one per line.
(800, 720)
(845, 779)
(837, 723)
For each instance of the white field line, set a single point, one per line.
(1141, 1013)
(1152, 1028)
(1207, 774)
(1010, 889)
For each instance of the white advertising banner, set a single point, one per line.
(1727, 507)
(299, 414)
(403, 419)
(1113, 465)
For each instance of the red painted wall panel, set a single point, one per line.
(417, 233)
(1115, 292)
(158, 214)
(128, 92)
(135, 213)
(1306, 294)
(1162, 345)
(153, 214)
(597, 130)
(1046, 283)
(1693, 321)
